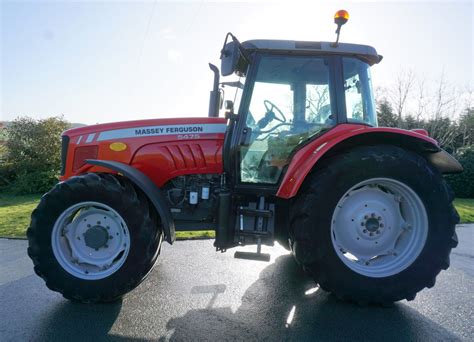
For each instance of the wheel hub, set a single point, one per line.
(96, 237)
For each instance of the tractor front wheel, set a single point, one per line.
(94, 238)
(374, 225)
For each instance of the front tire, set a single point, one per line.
(374, 225)
(94, 238)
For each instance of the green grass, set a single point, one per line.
(465, 208)
(15, 214)
(199, 234)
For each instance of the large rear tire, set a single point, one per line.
(375, 224)
(94, 238)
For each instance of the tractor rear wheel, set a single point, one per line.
(375, 225)
(94, 237)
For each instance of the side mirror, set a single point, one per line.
(229, 105)
(229, 57)
(229, 110)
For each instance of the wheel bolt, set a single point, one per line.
(366, 216)
(373, 215)
(98, 222)
(364, 231)
(379, 218)
(381, 225)
(88, 226)
(371, 234)
(377, 232)
(106, 246)
(362, 223)
(108, 227)
(110, 237)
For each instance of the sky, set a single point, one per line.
(104, 61)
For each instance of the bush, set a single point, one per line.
(32, 155)
(463, 183)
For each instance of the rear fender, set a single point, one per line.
(346, 136)
(153, 193)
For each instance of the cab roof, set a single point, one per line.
(364, 52)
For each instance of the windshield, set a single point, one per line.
(290, 103)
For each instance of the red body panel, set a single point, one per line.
(165, 161)
(304, 160)
(156, 147)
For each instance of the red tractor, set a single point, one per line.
(298, 159)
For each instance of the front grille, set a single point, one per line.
(64, 148)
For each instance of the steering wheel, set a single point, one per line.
(270, 106)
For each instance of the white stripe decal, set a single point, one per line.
(79, 140)
(90, 137)
(148, 131)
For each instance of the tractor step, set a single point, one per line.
(255, 212)
(252, 256)
(259, 256)
(253, 233)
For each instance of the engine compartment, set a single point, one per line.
(192, 200)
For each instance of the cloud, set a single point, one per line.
(175, 56)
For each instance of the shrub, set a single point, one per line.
(32, 155)
(463, 183)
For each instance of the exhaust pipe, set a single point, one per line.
(214, 101)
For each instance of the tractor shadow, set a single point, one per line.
(282, 305)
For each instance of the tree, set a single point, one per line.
(400, 93)
(466, 127)
(33, 154)
(385, 114)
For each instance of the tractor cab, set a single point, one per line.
(287, 94)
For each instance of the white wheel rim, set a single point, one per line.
(379, 227)
(90, 240)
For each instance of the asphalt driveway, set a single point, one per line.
(195, 293)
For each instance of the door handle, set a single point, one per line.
(246, 134)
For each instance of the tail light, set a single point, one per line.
(64, 148)
(82, 153)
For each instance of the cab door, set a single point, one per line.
(289, 100)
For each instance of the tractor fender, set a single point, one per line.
(346, 136)
(153, 193)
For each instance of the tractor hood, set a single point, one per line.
(147, 128)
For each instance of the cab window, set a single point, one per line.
(290, 103)
(360, 106)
